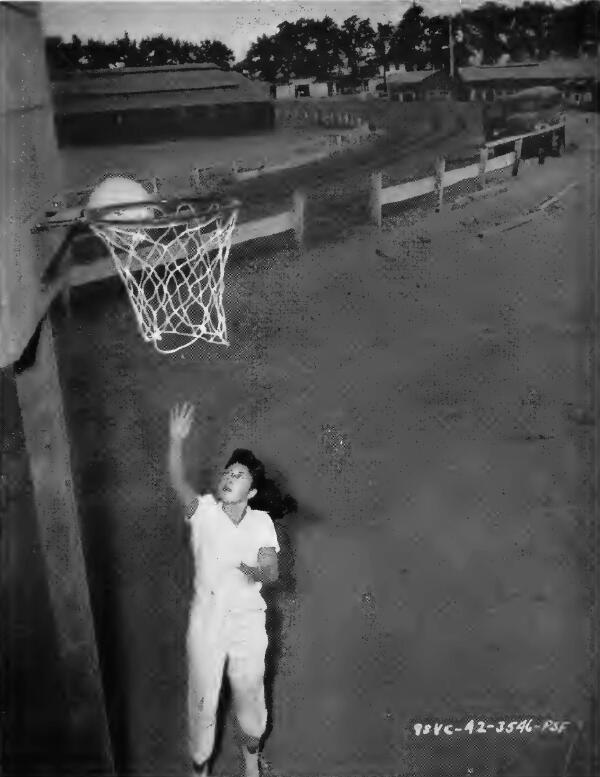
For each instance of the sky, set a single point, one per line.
(237, 23)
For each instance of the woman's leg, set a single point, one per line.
(246, 670)
(206, 659)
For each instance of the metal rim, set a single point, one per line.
(168, 212)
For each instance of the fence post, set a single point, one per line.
(518, 152)
(440, 169)
(483, 160)
(299, 202)
(376, 198)
(541, 155)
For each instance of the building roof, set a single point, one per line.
(155, 101)
(407, 77)
(140, 80)
(297, 80)
(171, 86)
(551, 69)
(70, 75)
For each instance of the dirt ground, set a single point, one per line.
(173, 162)
(419, 391)
(404, 131)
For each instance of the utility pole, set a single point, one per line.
(451, 46)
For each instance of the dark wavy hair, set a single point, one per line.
(254, 466)
(269, 496)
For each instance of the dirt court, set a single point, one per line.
(416, 391)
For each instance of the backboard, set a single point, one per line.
(31, 174)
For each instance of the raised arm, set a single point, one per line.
(180, 423)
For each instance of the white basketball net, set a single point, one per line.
(174, 276)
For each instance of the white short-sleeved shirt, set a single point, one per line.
(219, 546)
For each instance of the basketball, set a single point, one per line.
(120, 190)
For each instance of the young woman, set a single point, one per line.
(235, 552)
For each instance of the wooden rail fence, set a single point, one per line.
(442, 179)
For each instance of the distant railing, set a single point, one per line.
(280, 223)
(292, 220)
(443, 178)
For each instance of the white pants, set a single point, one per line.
(214, 639)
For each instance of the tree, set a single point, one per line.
(530, 36)
(462, 51)
(382, 44)
(322, 50)
(125, 50)
(304, 48)
(408, 42)
(158, 51)
(292, 38)
(264, 58)
(54, 55)
(356, 41)
(576, 27)
(214, 51)
(437, 42)
(311, 47)
(489, 29)
(297, 46)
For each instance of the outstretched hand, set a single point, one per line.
(180, 420)
(251, 572)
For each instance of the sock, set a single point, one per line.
(251, 761)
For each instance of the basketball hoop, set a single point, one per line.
(171, 256)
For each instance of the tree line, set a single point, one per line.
(153, 51)
(492, 33)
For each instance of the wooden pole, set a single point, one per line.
(451, 46)
(299, 204)
(518, 152)
(46, 437)
(483, 160)
(376, 198)
(440, 169)
(541, 155)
